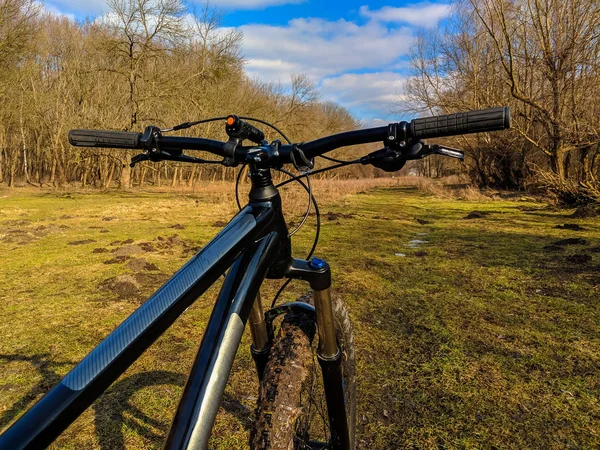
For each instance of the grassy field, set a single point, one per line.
(484, 336)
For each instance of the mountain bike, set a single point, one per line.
(295, 408)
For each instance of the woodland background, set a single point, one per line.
(155, 62)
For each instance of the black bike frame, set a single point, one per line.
(253, 245)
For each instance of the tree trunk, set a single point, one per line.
(1, 164)
(585, 161)
(53, 172)
(125, 182)
(557, 162)
(84, 175)
(595, 166)
(190, 181)
(110, 176)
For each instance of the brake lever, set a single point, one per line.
(138, 159)
(444, 151)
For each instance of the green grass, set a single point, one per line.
(479, 338)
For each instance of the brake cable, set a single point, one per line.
(314, 172)
(317, 233)
(185, 125)
(335, 160)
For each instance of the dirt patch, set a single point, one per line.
(581, 258)
(19, 237)
(178, 226)
(161, 244)
(66, 217)
(147, 247)
(337, 216)
(82, 242)
(100, 250)
(45, 230)
(149, 282)
(167, 244)
(104, 231)
(108, 219)
(117, 259)
(585, 212)
(16, 223)
(124, 286)
(423, 222)
(571, 241)
(219, 223)
(553, 248)
(477, 215)
(190, 251)
(421, 254)
(175, 240)
(128, 250)
(138, 264)
(570, 226)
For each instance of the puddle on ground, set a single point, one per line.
(416, 243)
(402, 255)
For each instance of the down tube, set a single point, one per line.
(203, 392)
(49, 417)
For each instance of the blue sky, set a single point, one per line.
(354, 50)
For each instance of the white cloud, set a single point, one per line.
(49, 9)
(251, 4)
(380, 91)
(321, 48)
(420, 14)
(78, 7)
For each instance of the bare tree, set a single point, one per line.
(540, 56)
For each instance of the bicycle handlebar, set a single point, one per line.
(491, 119)
(106, 139)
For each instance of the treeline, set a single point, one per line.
(146, 62)
(541, 57)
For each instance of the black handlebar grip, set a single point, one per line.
(106, 139)
(240, 129)
(491, 119)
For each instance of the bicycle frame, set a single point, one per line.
(254, 245)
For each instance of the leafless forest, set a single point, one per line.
(541, 57)
(152, 62)
(144, 63)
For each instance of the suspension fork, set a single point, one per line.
(330, 360)
(318, 273)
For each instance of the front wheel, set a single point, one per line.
(291, 410)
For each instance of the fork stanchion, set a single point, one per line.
(328, 347)
(261, 344)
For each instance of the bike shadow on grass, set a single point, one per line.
(115, 407)
(49, 378)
